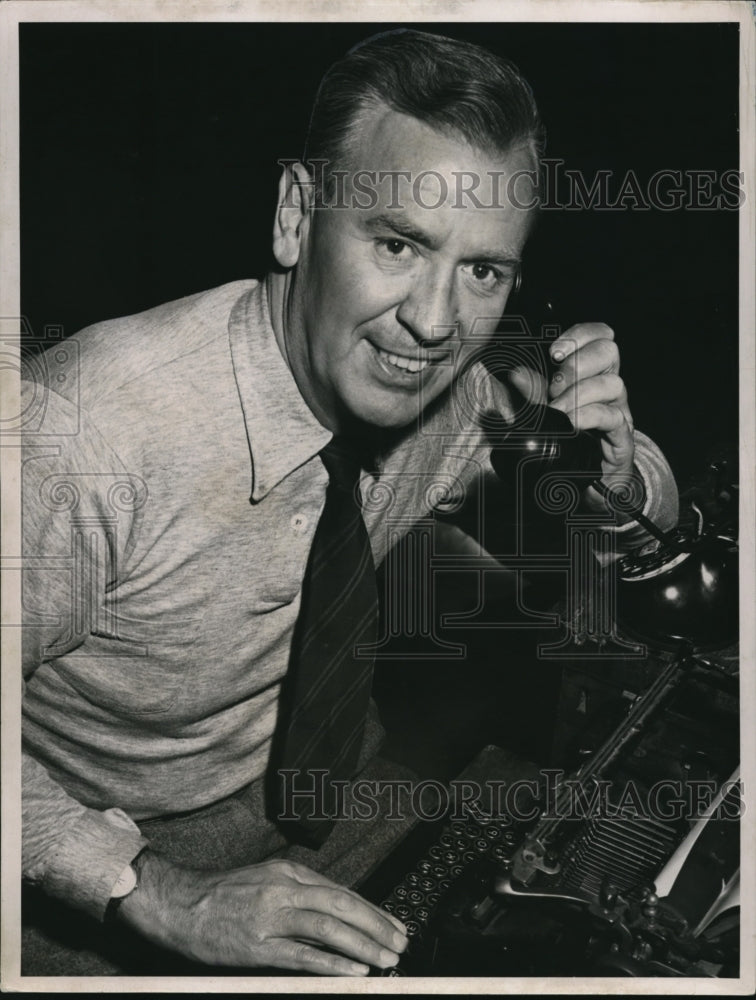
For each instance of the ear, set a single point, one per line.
(295, 199)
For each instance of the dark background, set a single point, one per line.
(148, 159)
(149, 171)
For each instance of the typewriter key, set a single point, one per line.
(432, 898)
(500, 852)
(424, 866)
(456, 870)
(492, 832)
(481, 844)
(440, 871)
(412, 927)
(450, 857)
(446, 839)
(461, 843)
(401, 891)
(472, 830)
(458, 827)
(413, 879)
(388, 905)
(469, 856)
(427, 883)
(436, 852)
(403, 911)
(415, 897)
(422, 913)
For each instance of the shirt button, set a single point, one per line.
(299, 524)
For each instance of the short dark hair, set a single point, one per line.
(454, 86)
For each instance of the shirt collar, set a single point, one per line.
(282, 430)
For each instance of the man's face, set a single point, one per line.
(384, 297)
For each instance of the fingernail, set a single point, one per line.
(558, 356)
(388, 957)
(360, 970)
(400, 941)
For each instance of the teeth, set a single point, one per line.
(405, 364)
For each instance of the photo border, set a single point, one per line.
(15, 12)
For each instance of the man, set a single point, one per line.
(173, 490)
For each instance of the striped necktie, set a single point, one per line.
(325, 697)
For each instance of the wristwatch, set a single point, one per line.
(126, 883)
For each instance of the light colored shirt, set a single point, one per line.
(171, 490)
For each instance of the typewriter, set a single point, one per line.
(625, 860)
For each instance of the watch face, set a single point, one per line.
(126, 883)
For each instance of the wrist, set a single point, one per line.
(126, 884)
(144, 900)
(161, 908)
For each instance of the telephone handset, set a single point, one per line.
(548, 437)
(539, 433)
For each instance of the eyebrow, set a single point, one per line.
(400, 225)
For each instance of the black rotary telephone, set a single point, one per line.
(681, 587)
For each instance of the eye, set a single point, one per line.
(391, 248)
(486, 277)
(485, 272)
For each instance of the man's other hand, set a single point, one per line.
(276, 914)
(586, 385)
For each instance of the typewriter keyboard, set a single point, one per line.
(462, 841)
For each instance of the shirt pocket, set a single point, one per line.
(133, 667)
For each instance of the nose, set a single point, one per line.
(428, 310)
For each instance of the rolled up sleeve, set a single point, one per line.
(69, 850)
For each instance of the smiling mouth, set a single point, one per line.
(411, 366)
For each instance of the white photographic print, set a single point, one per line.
(377, 448)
